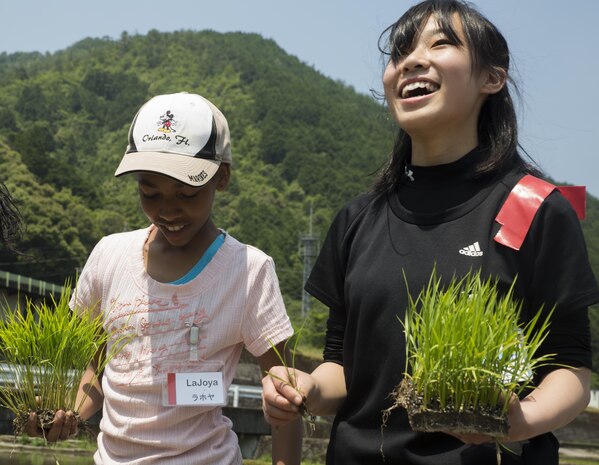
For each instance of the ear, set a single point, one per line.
(494, 81)
(224, 173)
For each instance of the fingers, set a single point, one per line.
(278, 381)
(276, 416)
(280, 400)
(73, 423)
(64, 426)
(31, 428)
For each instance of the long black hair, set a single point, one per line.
(10, 220)
(497, 122)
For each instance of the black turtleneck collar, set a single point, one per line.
(432, 189)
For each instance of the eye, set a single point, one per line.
(188, 195)
(147, 196)
(441, 42)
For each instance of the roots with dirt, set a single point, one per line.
(45, 419)
(430, 418)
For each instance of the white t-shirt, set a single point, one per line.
(235, 301)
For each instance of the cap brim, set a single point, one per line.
(184, 168)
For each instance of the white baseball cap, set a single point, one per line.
(183, 136)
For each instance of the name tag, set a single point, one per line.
(204, 388)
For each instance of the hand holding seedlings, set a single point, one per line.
(284, 393)
(63, 426)
(468, 358)
(514, 415)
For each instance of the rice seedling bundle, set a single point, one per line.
(46, 348)
(466, 354)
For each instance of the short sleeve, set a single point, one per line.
(88, 292)
(327, 278)
(560, 278)
(266, 321)
(556, 256)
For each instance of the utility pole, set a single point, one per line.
(308, 250)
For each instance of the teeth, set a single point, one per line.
(174, 228)
(429, 86)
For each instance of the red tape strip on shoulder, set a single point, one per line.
(577, 195)
(521, 205)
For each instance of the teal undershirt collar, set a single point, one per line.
(202, 262)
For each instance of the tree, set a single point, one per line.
(31, 104)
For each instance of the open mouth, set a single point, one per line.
(418, 89)
(173, 228)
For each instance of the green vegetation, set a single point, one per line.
(48, 348)
(577, 461)
(465, 348)
(290, 372)
(72, 445)
(299, 139)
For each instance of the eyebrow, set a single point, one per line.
(436, 31)
(145, 182)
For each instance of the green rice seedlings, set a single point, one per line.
(308, 417)
(466, 355)
(47, 348)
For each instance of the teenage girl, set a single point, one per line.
(453, 165)
(186, 295)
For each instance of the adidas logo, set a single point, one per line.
(472, 250)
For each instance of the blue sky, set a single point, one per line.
(553, 45)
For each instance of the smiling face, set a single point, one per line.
(432, 90)
(180, 212)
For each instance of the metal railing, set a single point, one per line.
(238, 391)
(28, 284)
(11, 376)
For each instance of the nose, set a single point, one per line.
(416, 59)
(169, 210)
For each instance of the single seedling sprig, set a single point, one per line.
(291, 378)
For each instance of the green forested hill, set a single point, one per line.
(299, 139)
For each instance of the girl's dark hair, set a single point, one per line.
(497, 123)
(10, 220)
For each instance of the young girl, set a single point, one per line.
(186, 295)
(454, 163)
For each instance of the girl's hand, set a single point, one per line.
(64, 426)
(282, 397)
(517, 427)
(556, 401)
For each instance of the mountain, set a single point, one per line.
(300, 140)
